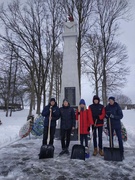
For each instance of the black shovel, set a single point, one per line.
(111, 153)
(47, 151)
(78, 150)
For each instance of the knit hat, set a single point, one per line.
(52, 99)
(96, 98)
(82, 102)
(112, 98)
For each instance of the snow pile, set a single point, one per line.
(19, 160)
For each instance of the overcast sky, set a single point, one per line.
(127, 37)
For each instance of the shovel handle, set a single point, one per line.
(50, 116)
(79, 126)
(110, 129)
(92, 132)
(94, 126)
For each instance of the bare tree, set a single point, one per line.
(55, 27)
(26, 26)
(9, 71)
(34, 28)
(108, 14)
(57, 75)
(109, 56)
(92, 65)
(122, 99)
(116, 69)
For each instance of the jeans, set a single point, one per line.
(100, 130)
(84, 137)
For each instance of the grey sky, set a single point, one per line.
(127, 37)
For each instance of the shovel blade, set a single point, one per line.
(78, 152)
(46, 151)
(112, 154)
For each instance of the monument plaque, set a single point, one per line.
(70, 95)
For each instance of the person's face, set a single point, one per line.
(111, 101)
(82, 105)
(96, 101)
(65, 103)
(52, 103)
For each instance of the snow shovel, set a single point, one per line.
(47, 151)
(111, 153)
(87, 155)
(78, 150)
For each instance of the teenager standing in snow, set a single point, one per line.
(97, 114)
(55, 114)
(82, 115)
(67, 115)
(114, 114)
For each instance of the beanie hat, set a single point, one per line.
(112, 98)
(82, 102)
(96, 98)
(52, 99)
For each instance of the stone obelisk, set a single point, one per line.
(70, 79)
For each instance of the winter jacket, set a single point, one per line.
(97, 111)
(84, 121)
(67, 115)
(55, 114)
(116, 111)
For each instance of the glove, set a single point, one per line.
(111, 116)
(78, 113)
(88, 129)
(50, 108)
(107, 114)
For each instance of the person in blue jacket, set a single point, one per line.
(68, 121)
(114, 114)
(55, 114)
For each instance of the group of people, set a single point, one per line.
(93, 116)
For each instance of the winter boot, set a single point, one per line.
(101, 152)
(95, 152)
(62, 152)
(122, 155)
(67, 152)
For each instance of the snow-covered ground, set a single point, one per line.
(19, 157)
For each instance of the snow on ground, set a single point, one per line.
(19, 160)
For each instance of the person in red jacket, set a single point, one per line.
(97, 114)
(82, 115)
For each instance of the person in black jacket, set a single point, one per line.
(68, 121)
(114, 114)
(97, 114)
(55, 114)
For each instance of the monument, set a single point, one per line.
(70, 79)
